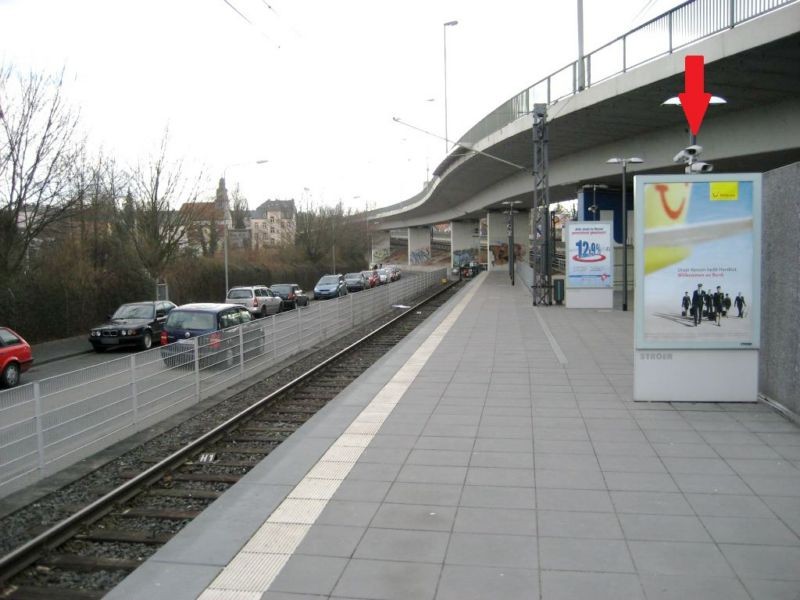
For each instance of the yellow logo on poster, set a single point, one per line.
(724, 190)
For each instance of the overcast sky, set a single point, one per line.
(310, 85)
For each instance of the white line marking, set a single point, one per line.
(262, 558)
(562, 358)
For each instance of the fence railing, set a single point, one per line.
(683, 25)
(50, 424)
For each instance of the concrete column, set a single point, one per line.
(464, 242)
(380, 247)
(522, 232)
(419, 245)
(496, 225)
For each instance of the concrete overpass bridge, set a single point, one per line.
(752, 57)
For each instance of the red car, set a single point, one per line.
(372, 277)
(15, 357)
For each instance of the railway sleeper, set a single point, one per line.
(130, 537)
(157, 513)
(29, 592)
(184, 493)
(73, 562)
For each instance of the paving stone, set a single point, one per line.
(495, 520)
(567, 554)
(402, 545)
(388, 580)
(414, 516)
(309, 574)
(684, 587)
(479, 583)
(492, 550)
(563, 585)
(679, 558)
(574, 524)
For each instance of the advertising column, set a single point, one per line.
(698, 259)
(589, 265)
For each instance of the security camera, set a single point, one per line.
(688, 155)
(699, 167)
(694, 150)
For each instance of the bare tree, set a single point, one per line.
(37, 149)
(161, 227)
(240, 208)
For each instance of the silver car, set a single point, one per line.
(258, 299)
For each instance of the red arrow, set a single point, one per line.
(695, 99)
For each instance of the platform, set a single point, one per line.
(496, 453)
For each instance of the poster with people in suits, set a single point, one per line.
(699, 240)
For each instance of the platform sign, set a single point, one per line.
(589, 255)
(698, 261)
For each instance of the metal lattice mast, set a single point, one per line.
(540, 215)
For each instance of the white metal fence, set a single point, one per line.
(51, 424)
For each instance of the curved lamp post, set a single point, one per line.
(227, 216)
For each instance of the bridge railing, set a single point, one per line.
(683, 25)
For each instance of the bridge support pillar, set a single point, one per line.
(522, 235)
(419, 245)
(497, 240)
(464, 242)
(380, 247)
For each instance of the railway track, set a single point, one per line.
(88, 553)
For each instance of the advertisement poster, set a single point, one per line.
(589, 255)
(698, 261)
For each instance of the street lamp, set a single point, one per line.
(444, 29)
(593, 207)
(227, 216)
(624, 162)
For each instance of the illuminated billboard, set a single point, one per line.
(697, 261)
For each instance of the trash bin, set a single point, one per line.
(558, 290)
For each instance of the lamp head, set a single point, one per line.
(451, 23)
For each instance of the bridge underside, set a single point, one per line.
(758, 130)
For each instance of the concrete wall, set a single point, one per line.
(522, 231)
(381, 246)
(497, 239)
(779, 369)
(419, 245)
(464, 242)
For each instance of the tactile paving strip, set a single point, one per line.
(253, 570)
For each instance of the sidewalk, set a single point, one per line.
(57, 349)
(496, 453)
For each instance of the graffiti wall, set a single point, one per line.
(419, 245)
(420, 256)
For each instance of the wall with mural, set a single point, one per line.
(499, 253)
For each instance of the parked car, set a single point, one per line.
(15, 357)
(258, 299)
(133, 324)
(217, 328)
(372, 278)
(291, 294)
(355, 282)
(395, 272)
(330, 286)
(383, 276)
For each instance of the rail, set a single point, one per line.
(685, 24)
(51, 424)
(26, 554)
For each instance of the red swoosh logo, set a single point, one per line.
(662, 188)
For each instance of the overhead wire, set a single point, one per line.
(249, 22)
